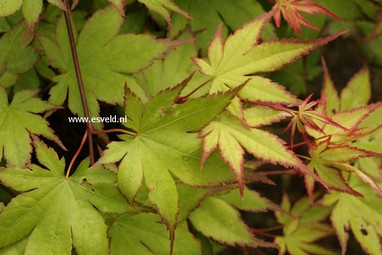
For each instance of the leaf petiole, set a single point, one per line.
(76, 154)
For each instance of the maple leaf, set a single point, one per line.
(56, 212)
(349, 108)
(334, 150)
(237, 60)
(161, 6)
(290, 10)
(17, 56)
(329, 162)
(258, 115)
(302, 226)
(31, 9)
(144, 233)
(16, 248)
(349, 129)
(178, 59)
(234, 63)
(190, 199)
(120, 5)
(306, 117)
(152, 157)
(207, 15)
(360, 214)
(356, 93)
(218, 220)
(106, 63)
(18, 120)
(232, 138)
(251, 201)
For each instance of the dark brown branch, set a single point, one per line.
(79, 79)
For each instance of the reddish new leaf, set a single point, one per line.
(291, 9)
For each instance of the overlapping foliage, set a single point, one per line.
(189, 169)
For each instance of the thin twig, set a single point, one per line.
(76, 155)
(266, 173)
(79, 79)
(114, 130)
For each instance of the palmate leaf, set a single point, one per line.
(56, 212)
(218, 220)
(165, 144)
(31, 9)
(18, 120)
(173, 69)
(190, 199)
(349, 129)
(17, 56)
(15, 249)
(233, 138)
(356, 94)
(290, 10)
(232, 64)
(360, 214)
(332, 154)
(302, 226)
(145, 234)
(329, 163)
(162, 7)
(107, 60)
(240, 56)
(120, 5)
(251, 201)
(207, 15)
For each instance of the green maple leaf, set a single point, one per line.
(329, 162)
(336, 149)
(351, 109)
(235, 61)
(18, 120)
(162, 7)
(120, 5)
(31, 9)
(302, 226)
(348, 130)
(257, 116)
(233, 139)
(218, 220)
(144, 233)
(251, 201)
(166, 144)
(17, 56)
(207, 15)
(360, 214)
(190, 199)
(17, 248)
(356, 94)
(56, 212)
(107, 60)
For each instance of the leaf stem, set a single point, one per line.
(181, 100)
(263, 232)
(114, 130)
(79, 79)
(76, 154)
(266, 173)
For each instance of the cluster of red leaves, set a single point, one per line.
(290, 10)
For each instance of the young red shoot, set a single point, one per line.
(290, 10)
